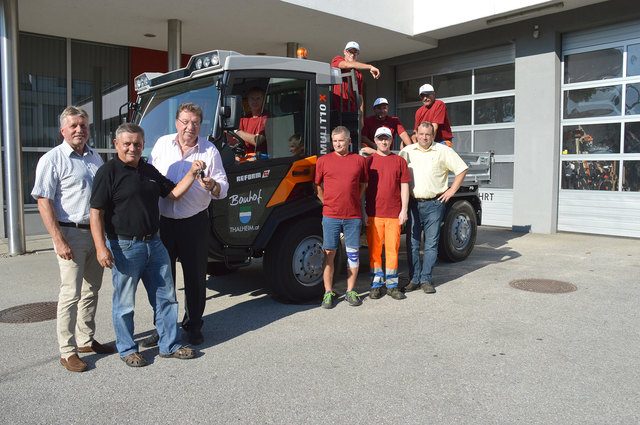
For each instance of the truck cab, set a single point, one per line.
(271, 209)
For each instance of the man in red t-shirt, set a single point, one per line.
(348, 62)
(387, 200)
(435, 112)
(341, 178)
(251, 128)
(379, 119)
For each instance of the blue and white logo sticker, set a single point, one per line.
(245, 214)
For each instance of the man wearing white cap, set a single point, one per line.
(435, 112)
(387, 199)
(379, 119)
(348, 62)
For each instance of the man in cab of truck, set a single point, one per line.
(341, 179)
(379, 119)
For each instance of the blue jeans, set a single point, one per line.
(332, 227)
(149, 261)
(424, 217)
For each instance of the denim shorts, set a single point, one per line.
(332, 227)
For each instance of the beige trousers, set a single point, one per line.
(80, 281)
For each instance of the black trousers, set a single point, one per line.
(187, 239)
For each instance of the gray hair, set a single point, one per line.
(129, 127)
(427, 124)
(73, 111)
(341, 130)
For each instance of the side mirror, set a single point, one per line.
(231, 111)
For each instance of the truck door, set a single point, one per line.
(278, 134)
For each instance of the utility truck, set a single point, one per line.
(271, 210)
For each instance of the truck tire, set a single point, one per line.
(458, 232)
(293, 261)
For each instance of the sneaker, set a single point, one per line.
(411, 287)
(327, 301)
(375, 293)
(396, 293)
(428, 288)
(353, 298)
(151, 340)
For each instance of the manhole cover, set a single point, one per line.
(545, 286)
(29, 313)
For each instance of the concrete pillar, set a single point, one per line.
(537, 135)
(174, 45)
(292, 49)
(11, 126)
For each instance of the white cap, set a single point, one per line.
(383, 131)
(426, 88)
(379, 101)
(352, 45)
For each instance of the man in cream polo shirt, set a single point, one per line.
(429, 164)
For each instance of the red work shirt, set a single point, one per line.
(372, 123)
(383, 191)
(348, 98)
(253, 125)
(437, 114)
(341, 177)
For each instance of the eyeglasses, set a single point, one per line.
(186, 123)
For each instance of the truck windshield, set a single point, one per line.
(158, 108)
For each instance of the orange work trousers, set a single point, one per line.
(383, 231)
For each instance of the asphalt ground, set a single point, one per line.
(477, 352)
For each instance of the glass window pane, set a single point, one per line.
(408, 90)
(631, 179)
(632, 137)
(488, 111)
(100, 76)
(591, 139)
(462, 141)
(454, 84)
(501, 176)
(407, 117)
(595, 65)
(43, 89)
(593, 102)
(633, 99)
(459, 113)
(29, 163)
(633, 60)
(590, 175)
(495, 78)
(499, 141)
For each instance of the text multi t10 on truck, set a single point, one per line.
(271, 209)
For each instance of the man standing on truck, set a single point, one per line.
(379, 119)
(429, 164)
(346, 63)
(64, 176)
(435, 112)
(184, 224)
(124, 205)
(387, 205)
(341, 179)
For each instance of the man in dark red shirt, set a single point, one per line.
(341, 178)
(379, 119)
(347, 63)
(435, 112)
(251, 128)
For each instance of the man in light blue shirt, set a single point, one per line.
(64, 176)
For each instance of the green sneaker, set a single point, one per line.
(353, 298)
(375, 293)
(396, 293)
(327, 300)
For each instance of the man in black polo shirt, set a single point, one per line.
(124, 204)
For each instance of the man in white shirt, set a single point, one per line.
(64, 176)
(184, 224)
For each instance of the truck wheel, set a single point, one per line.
(458, 232)
(293, 261)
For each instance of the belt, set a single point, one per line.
(425, 199)
(145, 238)
(76, 225)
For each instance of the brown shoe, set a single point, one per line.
(428, 288)
(97, 348)
(411, 287)
(73, 363)
(134, 360)
(182, 353)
